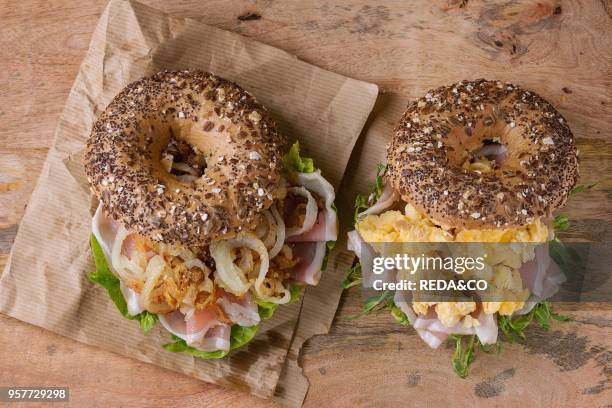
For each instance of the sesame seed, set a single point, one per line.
(254, 116)
(220, 95)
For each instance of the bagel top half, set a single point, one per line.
(443, 129)
(222, 123)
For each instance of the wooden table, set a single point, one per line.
(559, 48)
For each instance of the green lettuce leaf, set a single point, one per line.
(353, 277)
(147, 321)
(565, 257)
(560, 223)
(463, 357)
(296, 292)
(379, 184)
(242, 335)
(294, 162)
(513, 327)
(580, 188)
(239, 337)
(399, 315)
(329, 245)
(105, 278)
(267, 309)
(180, 346)
(363, 202)
(376, 302)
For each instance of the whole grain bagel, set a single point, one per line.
(442, 131)
(225, 137)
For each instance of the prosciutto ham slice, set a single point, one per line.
(310, 217)
(200, 331)
(386, 200)
(217, 338)
(317, 233)
(326, 225)
(355, 242)
(310, 245)
(105, 230)
(203, 329)
(132, 299)
(434, 333)
(311, 255)
(487, 331)
(366, 253)
(542, 275)
(243, 312)
(431, 322)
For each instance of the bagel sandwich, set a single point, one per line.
(206, 221)
(475, 163)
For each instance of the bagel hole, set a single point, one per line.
(182, 160)
(484, 159)
(493, 151)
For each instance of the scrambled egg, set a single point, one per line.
(393, 226)
(414, 226)
(534, 232)
(501, 264)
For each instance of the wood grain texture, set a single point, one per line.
(561, 49)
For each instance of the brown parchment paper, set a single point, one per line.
(44, 282)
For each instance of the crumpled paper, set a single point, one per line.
(45, 280)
